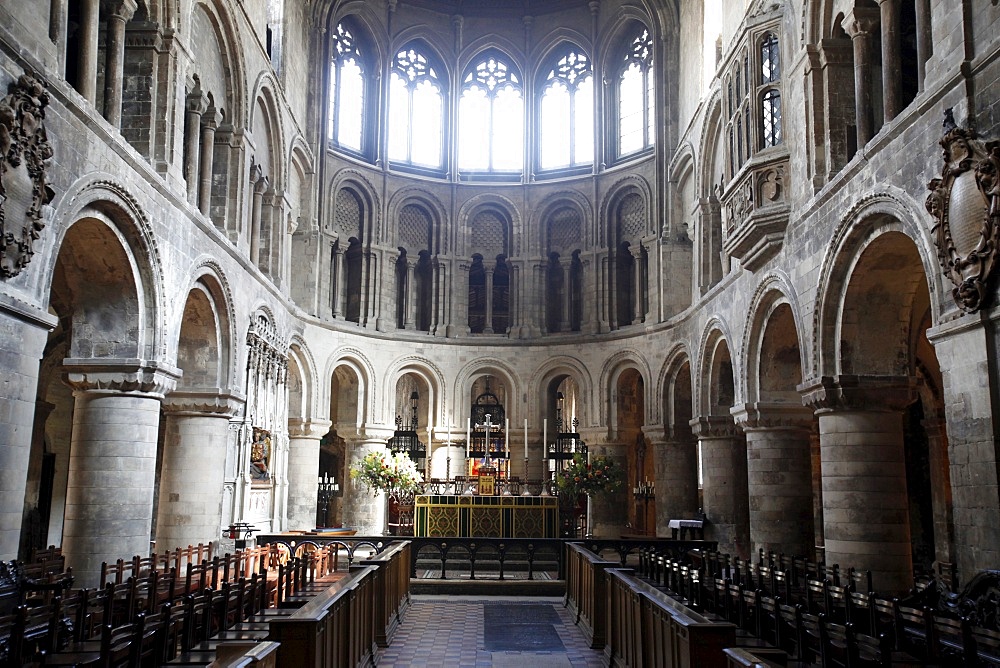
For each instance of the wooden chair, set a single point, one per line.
(115, 650)
(914, 631)
(987, 646)
(810, 645)
(951, 641)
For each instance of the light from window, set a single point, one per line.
(770, 63)
(491, 118)
(415, 111)
(772, 118)
(567, 114)
(711, 35)
(347, 91)
(635, 96)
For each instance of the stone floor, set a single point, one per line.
(459, 631)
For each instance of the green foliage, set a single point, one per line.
(601, 476)
(381, 471)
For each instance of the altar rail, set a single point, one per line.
(346, 624)
(634, 623)
(462, 553)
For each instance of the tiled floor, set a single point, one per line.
(448, 631)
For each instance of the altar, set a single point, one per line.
(487, 516)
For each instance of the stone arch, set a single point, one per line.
(505, 209)
(427, 201)
(486, 366)
(226, 83)
(684, 175)
(496, 42)
(611, 371)
(301, 397)
(617, 29)
(667, 388)
(431, 379)
(872, 216)
(768, 340)
(209, 277)
(360, 187)
(555, 369)
(629, 185)
(715, 388)
(549, 44)
(552, 203)
(360, 371)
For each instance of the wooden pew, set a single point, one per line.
(585, 591)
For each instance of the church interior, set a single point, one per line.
(738, 251)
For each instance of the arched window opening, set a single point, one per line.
(555, 296)
(425, 280)
(566, 133)
(347, 92)
(770, 101)
(416, 111)
(354, 259)
(625, 278)
(636, 98)
(576, 293)
(501, 296)
(402, 290)
(491, 117)
(477, 295)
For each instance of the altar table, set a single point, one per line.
(469, 516)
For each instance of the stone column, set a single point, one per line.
(676, 476)
(258, 184)
(865, 503)
(363, 510)
(859, 24)
(338, 281)
(193, 471)
(941, 499)
(488, 327)
(460, 316)
(724, 483)
(637, 312)
(779, 477)
(410, 307)
(303, 470)
(924, 40)
(112, 464)
(197, 103)
(23, 333)
(612, 292)
(892, 80)
(966, 347)
(608, 513)
(209, 123)
(86, 75)
(119, 13)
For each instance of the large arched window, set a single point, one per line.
(416, 110)
(566, 128)
(635, 92)
(491, 117)
(347, 92)
(770, 100)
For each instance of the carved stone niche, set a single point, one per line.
(965, 205)
(24, 152)
(756, 211)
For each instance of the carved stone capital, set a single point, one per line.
(119, 10)
(24, 155)
(714, 426)
(308, 428)
(213, 403)
(765, 417)
(859, 393)
(965, 205)
(196, 101)
(121, 376)
(211, 118)
(860, 22)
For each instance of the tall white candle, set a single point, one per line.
(468, 437)
(506, 438)
(545, 438)
(525, 438)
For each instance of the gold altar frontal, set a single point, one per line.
(468, 516)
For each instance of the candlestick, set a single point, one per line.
(526, 445)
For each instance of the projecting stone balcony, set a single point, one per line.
(755, 211)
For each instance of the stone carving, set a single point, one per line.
(24, 152)
(965, 204)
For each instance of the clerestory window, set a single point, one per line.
(566, 132)
(347, 92)
(636, 96)
(416, 110)
(491, 117)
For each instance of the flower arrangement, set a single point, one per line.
(602, 475)
(381, 471)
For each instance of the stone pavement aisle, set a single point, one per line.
(475, 632)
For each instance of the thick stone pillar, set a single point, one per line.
(303, 471)
(676, 476)
(488, 327)
(363, 510)
(941, 499)
(724, 483)
(258, 184)
(924, 40)
(197, 103)
(608, 513)
(892, 79)
(23, 333)
(193, 471)
(865, 503)
(859, 24)
(966, 346)
(779, 477)
(86, 57)
(119, 13)
(112, 464)
(209, 123)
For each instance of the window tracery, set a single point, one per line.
(491, 117)
(416, 110)
(347, 91)
(566, 134)
(636, 96)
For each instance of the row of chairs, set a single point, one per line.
(816, 620)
